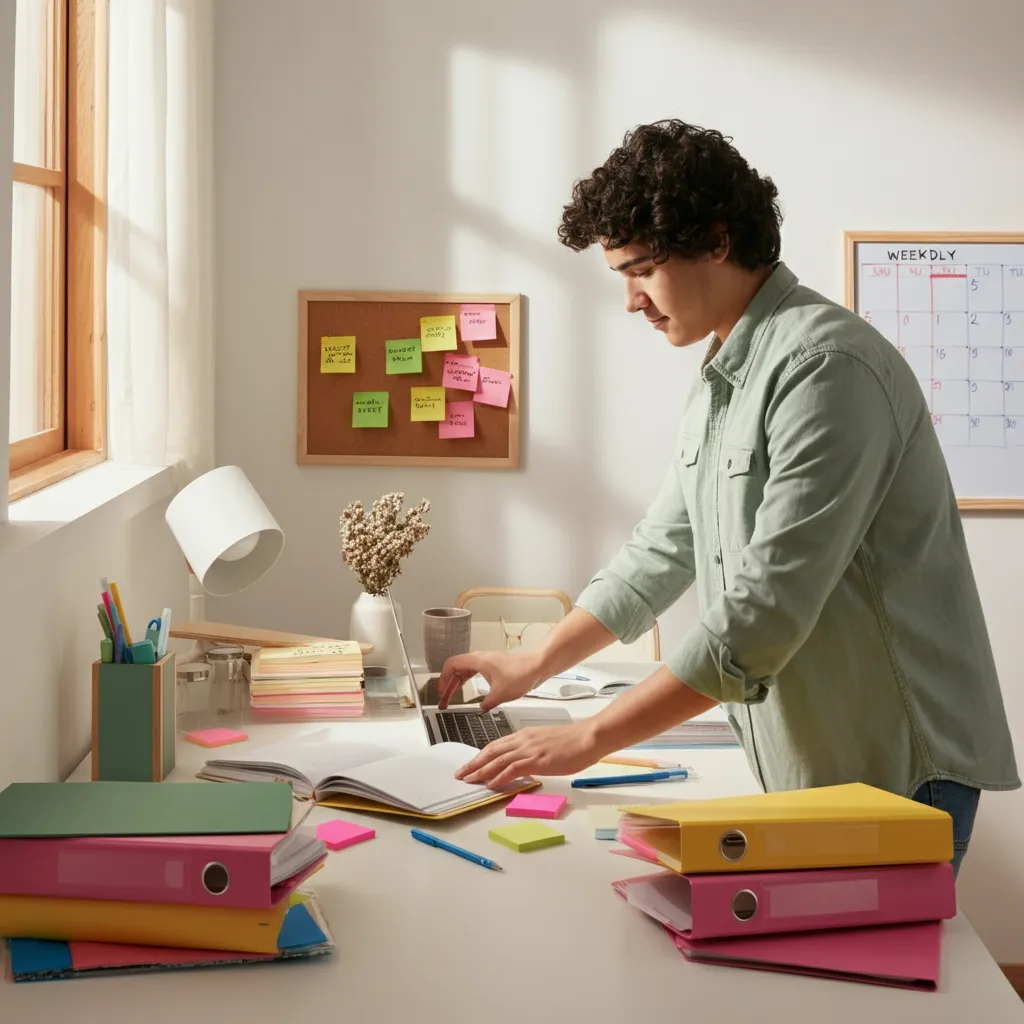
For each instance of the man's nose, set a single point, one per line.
(636, 299)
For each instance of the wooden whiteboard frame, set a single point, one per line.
(511, 461)
(850, 242)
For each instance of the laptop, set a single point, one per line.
(468, 724)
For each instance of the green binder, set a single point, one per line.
(52, 809)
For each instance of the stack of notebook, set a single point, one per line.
(317, 680)
(709, 729)
(105, 877)
(846, 882)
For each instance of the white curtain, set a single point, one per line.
(160, 233)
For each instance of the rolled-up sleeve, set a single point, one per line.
(833, 448)
(650, 571)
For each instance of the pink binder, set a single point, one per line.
(897, 955)
(761, 903)
(226, 871)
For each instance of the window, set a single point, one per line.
(58, 256)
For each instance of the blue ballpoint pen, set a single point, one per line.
(430, 840)
(628, 780)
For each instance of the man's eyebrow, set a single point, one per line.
(632, 263)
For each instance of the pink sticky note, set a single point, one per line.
(460, 372)
(338, 834)
(477, 323)
(215, 737)
(493, 387)
(535, 805)
(458, 421)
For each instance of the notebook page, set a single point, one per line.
(312, 757)
(420, 781)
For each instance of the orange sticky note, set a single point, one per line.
(458, 421)
(426, 404)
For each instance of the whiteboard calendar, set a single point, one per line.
(954, 308)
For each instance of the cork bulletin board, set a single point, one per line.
(348, 341)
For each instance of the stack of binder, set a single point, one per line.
(114, 877)
(312, 681)
(848, 882)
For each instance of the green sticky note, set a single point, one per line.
(527, 835)
(426, 404)
(338, 355)
(404, 356)
(370, 409)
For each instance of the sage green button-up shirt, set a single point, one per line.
(840, 621)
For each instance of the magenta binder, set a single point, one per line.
(224, 870)
(762, 903)
(896, 955)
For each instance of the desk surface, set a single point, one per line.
(424, 936)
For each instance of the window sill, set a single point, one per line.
(108, 489)
(50, 471)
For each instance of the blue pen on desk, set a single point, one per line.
(629, 780)
(431, 840)
(572, 676)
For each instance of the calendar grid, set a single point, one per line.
(960, 326)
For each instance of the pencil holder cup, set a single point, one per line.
(133, 721)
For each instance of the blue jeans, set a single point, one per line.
(961, 803)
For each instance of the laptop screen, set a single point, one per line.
(405, 657)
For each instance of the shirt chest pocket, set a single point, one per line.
(687, 466)
(739, 495)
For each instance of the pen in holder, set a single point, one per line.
(133, 720)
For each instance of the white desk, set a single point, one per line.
(427, 937)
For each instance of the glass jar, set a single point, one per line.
(229, 694)
(192, 695)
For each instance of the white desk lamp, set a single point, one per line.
(227, 535)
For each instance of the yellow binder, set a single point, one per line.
(236, 929)
(851, 825)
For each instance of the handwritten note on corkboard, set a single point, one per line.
(376, 411)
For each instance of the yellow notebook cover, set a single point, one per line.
(850, 825)
(237, 929)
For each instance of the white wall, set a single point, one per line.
(400, 145)
(50, 571)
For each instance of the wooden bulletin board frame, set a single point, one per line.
(325, 435)
(937, 238)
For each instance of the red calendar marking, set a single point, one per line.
(949, 275)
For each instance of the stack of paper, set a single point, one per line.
(318, 680)
(842, 881)
(710, 729)
(112, 876)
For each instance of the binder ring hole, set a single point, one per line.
(744, 905)
(732, 845)
(216, 879)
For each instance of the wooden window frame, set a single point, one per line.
(75, 321)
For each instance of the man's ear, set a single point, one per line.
(721, 253)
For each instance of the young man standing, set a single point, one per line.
(809, 500)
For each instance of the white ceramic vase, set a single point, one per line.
(371, 622)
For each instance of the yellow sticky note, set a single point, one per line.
(426, 404)
(437, 333)
(338, 355)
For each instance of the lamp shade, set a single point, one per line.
(224, 530)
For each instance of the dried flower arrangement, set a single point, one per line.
(374, 545)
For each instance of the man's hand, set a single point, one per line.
(509, 675)
(544, 750)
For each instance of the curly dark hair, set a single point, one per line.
(674, 187)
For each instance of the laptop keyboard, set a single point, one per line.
(475, 729)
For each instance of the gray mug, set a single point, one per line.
(445, 632)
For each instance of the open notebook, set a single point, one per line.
(365, 776)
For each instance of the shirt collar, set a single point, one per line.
(732, 360)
